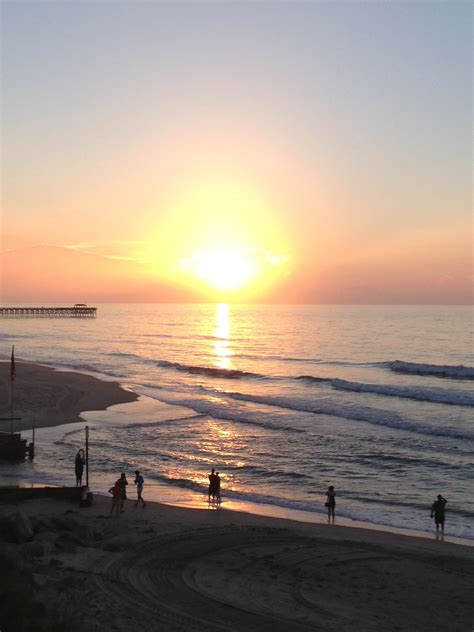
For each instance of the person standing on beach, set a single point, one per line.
(331, 503)
(122, 483)
(437, 510)
(116, 499)
(217, 487)
(79, 467)
(212, 484)
(139, 482)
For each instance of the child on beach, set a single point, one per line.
(116, 499)
(139, 482)
(122, 483)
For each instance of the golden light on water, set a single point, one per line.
(222, 349)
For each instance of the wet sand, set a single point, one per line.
(45, 397)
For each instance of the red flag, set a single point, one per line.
(12, 366)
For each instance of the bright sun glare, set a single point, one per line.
(232, 270)
(224, 269)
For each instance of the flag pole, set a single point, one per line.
(12, 382)
(87, 456)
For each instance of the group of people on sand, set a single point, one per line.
(119, 492)
(214, 490)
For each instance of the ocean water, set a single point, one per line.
(283, 400)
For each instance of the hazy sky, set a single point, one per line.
(325, 145)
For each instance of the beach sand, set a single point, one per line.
(172, 569)
(46, 397)
(176, 569)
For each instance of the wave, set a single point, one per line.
(372, 416)
(128, 355)
(419, 393)
(231, 374)
(164, 422)
(416, 506)
(221, 411)
(426, 394)
(187, 483)
(459, 372)
(266, 473)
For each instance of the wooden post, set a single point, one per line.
(31, 447)
(87, 456)
(12, 405)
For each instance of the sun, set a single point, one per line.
(233, 271)
(224, 269)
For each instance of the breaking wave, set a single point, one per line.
(459, 372)
(424, 394)
(231, 374)
(377, 417)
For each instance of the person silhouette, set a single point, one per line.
(122, 483)
(437, 510)
(212, 484)
(139, 482)
(116, 498)
(331, 503)
(79, 466)
(217, 488)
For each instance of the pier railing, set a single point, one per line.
(78, 311)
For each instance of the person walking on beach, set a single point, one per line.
(122, 483)
(437, 510)
(331, 503)
(79, 466)
(139, 482)
(116, 498)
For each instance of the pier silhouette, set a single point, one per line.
(79, 310)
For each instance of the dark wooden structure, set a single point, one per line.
(79, 310)
(14, 493)
(14, 448)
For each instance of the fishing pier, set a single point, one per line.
(79, 310)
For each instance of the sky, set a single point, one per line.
(286, 152)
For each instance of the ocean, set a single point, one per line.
(282, 400)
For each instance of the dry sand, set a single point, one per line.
(171, 569)
(46, 397)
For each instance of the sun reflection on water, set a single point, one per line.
(222, 335)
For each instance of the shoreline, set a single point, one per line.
(47, 397)
(209, 570)
(277, 513)
(84, 396)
